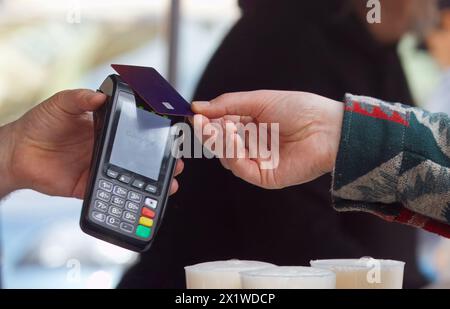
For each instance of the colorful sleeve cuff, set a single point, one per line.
(394, 162)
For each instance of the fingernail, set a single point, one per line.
(200, 104)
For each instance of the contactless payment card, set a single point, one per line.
(154, 90)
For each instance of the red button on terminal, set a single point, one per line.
(148, 212)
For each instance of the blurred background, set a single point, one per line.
(50, 45)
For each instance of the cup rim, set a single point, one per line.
(195, 267)
(342, 264)
(319, 272)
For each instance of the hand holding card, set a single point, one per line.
(309, 133)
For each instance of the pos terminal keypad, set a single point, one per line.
(125, 205)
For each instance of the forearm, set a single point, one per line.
(6, 156)
(391, 153)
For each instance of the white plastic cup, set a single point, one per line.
(288, 277)
(219, 274)
(364, 273)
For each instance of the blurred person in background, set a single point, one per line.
(438, 44)
(325, 47)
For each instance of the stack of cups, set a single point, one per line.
(236, 274)
(365, 273)
(220, 274)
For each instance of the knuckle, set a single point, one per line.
(60, 96)
(262, 92)
(223, 98)
(71, 94)
(224, 163)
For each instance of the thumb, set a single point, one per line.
(76, 102)
(237, 104)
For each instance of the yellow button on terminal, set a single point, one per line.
(146, 221)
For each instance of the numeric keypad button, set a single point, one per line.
(98, 216)
(113, 221)
(103, 195)
(129, 217)
(122, 192)
(133, 207)
(101, 206)
(118, 201)
(135, 197)
(105, 185)
(115, 211)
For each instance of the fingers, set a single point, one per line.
(209, 133)
(179, 168)
(446, 21)
(76, 102)
(246, 169)
(173, 187)
(239, 103)
(236, 159)
(224, 163)
(239, 163)
(200, 123)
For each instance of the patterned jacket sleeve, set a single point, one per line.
(394, 162)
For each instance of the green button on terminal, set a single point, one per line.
(143, 231)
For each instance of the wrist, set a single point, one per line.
(335, 111)
(7, 183)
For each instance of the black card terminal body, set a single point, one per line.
(131, 169)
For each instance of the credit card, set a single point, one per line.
(154, 90)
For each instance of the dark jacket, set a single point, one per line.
(315, 46)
